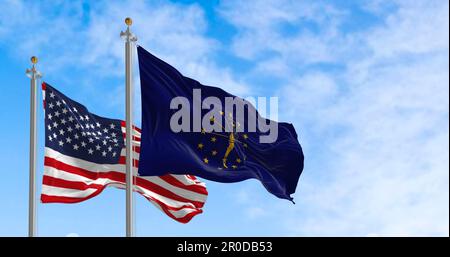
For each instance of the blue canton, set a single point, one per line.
(72, 130)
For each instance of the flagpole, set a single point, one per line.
(129, 38)
(34, 75)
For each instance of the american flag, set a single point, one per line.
(85, 153)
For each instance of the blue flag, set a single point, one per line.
(190, 128)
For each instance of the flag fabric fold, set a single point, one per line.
(219, 156)
(85, 153)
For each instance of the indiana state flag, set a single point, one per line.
(190, 128)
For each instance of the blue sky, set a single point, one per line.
(365, 83)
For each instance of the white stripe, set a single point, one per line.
(179, 191)
(59, 191)
(76, 162)
(187, 207)
(94, 167)
(135, 132)
(55, 173)
(181, 213)
(189, 195)
(187, 181)
(178, 214)
(66, 192)
(168, 201)
(135, 154)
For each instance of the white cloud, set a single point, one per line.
(87, 40)
(255, 212)
(375, 131)
(320, 88)
(173, 32)
(261, 24)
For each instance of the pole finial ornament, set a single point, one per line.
(128, 21)
(34, 59)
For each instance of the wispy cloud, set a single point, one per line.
(373, 116)
(79, 38)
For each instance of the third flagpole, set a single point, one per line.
(130, 39)
(34, 75)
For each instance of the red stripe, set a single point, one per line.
(184, 219)
(175, 182)
(64, 199)
(82, 186)
(165, 192)
(135, 138)
(123, 159)
(44, 87)
(136, 149)
(164, 207)
(191, 177)
(79, 185)
(124, 124)
(118, 176)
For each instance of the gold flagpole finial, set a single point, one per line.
(128, 21)
(34, 59)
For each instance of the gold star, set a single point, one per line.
(212, 119)
(200, 146)
(213, 139)
(234, 166)
(238, 160)
(245, 145)
(206, 160)
(245, 136)
(214, 153)
(203, 131)
(221, 113)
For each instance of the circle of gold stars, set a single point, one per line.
(213, 138)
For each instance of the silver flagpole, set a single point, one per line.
(34, 75)
(129, 38)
